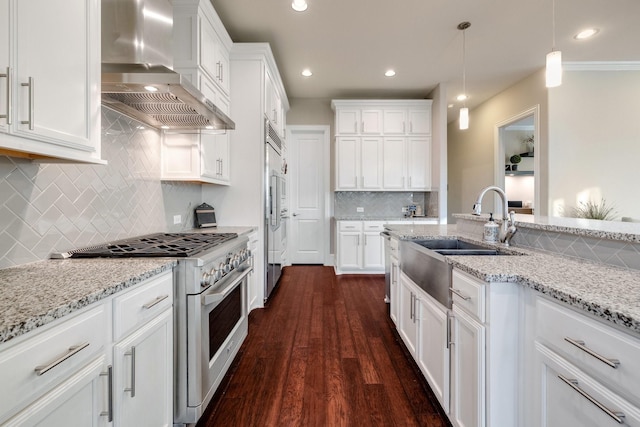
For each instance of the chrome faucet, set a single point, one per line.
(508, 228)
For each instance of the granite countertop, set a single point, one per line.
(614, 230)
(34, 294)
(241, 230)
(608, 292)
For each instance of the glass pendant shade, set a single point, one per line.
(464, 118)
(554, 69)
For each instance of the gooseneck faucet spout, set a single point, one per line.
(508, 228)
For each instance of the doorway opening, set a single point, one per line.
(516, 166)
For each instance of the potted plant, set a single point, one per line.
(515, 159)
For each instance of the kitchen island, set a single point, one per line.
(533, 337)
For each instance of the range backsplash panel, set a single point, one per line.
(52, 207)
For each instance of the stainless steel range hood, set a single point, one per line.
(137, 75)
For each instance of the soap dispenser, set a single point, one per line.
(490, 230)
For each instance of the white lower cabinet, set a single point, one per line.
(143, 382)
(467, 370)
(585, 372)
(70, 373)
(394, 288)
(407, 319)
(360, 247)
(433, 347)
(80, 401)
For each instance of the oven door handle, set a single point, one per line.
(214, 297)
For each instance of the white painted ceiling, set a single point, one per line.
(348, 44)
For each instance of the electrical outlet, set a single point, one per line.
(359, 209)
(177, 219)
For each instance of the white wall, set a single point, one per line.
(594, 140)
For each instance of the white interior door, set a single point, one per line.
(309, 151)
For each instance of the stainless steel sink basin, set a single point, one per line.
(458, 247)
(424, 262)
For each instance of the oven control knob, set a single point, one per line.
(215, 275)
(247, 253)
(226, 267)
(221, 269)
(206, 279)
(235, 261)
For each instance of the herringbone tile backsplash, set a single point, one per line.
(48, 208)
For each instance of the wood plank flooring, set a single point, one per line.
(323, 353)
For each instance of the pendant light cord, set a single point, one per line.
(553, 25)
(464, 67)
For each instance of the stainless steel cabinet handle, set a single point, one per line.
(32, 91)
(109, 412)
(415, 311)
(365, 240)
(404, 124)
(219, 70)
(409, 181)
(410, 127)
(157, 300)
(7, 116)
(411, 309)
(132, 389)
(449, 339)
(614, 363)
(573, 383)
(42, 369)
(460, 294)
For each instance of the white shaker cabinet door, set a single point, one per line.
(80, 401)
(393, 173)
(419, 163)
(347, 158)
(57, 72)
(143, 366)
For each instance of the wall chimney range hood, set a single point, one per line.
(137, 76)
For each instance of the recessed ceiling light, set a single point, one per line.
(587, 33)
(462, 97)
(389, 73)
(307, 72)
(299, 5)
(151, 88)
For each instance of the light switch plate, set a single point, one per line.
(359, 209)
(177, 219)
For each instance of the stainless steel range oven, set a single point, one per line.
(210, 307)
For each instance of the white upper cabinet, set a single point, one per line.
(201, 42)
(403, 159)
(50, 78)
(359, 121)
(201, 51)
(273, 106)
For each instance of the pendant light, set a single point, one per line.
(554, 58)
(464, 111)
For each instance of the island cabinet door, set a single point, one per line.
(468, 395)
(407, 315)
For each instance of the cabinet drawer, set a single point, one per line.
(373, 226)
(138, 306)
(350, 226)
(598, 349)
(469, 294)
(43, 359)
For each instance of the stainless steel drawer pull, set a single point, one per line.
(42, 369)
(614, 363)
(155, 301)
(109, 412)
(7, 116)
(132, 389)
(30, 122)
(460, 294)
(573, 383)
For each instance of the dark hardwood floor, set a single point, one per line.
(323, 353)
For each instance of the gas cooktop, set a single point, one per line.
(153, 245)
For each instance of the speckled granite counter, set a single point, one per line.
(613, 230)
(244, 230)
(35, 294)
(609, 292)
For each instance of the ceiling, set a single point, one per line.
(349, 44)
